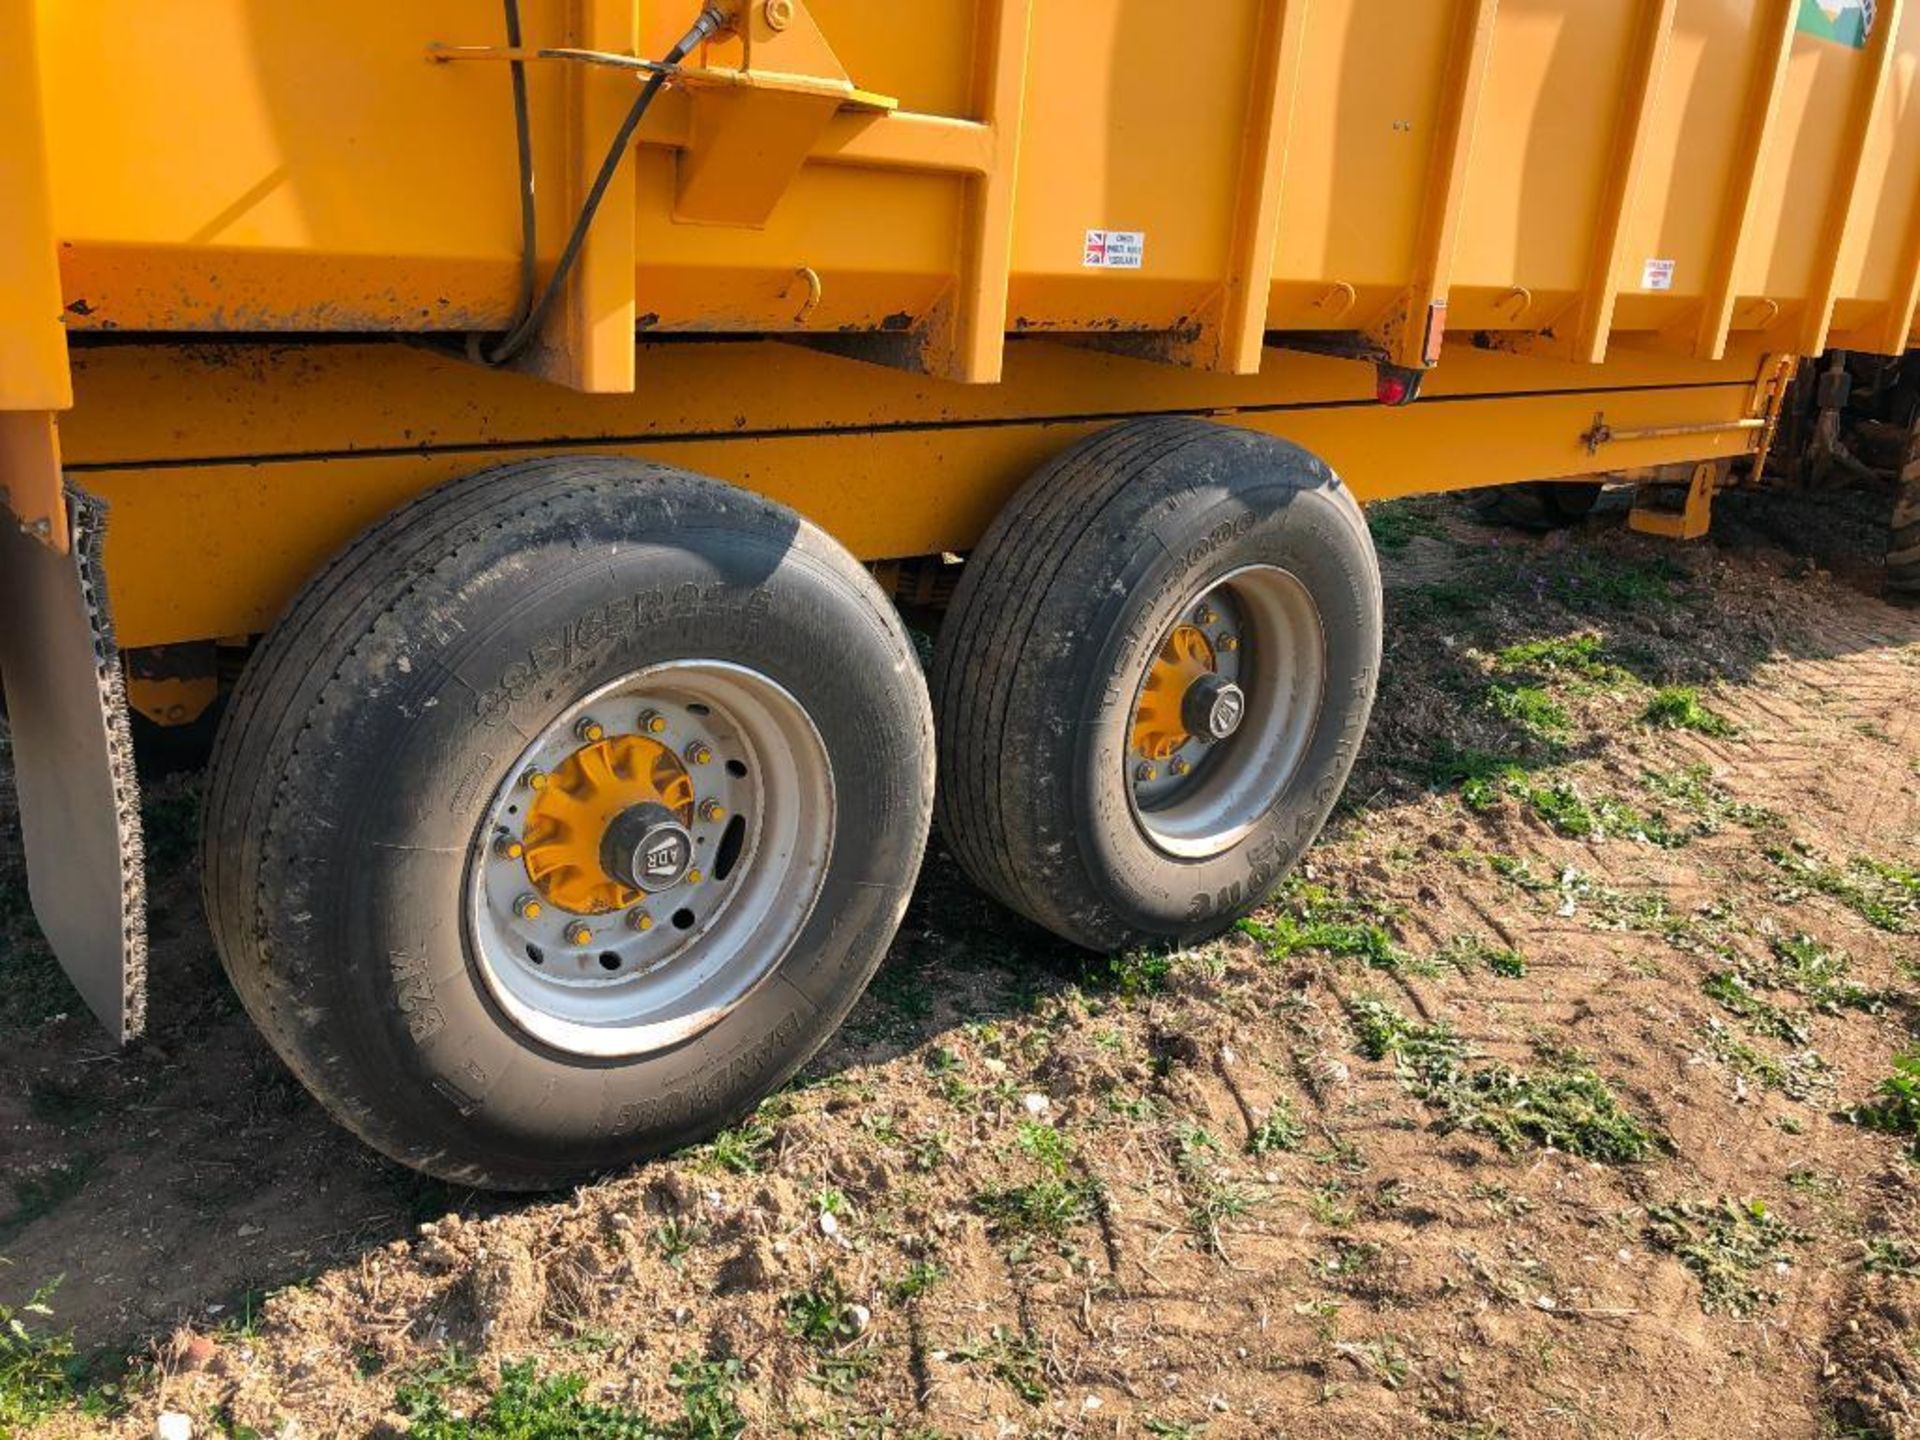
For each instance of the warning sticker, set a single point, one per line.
(1656, 275)
(1845, 22)
(1115, 249)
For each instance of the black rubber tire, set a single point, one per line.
(1903, 530)
(1056, 617)
(1540, 504)
(373, 724)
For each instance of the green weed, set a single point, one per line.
(1531, 710)
(1048, 1208)
(1313, 918)
(36, 1366)
(1883, 893)
(1279, 1129)
(1895, 1106)
(1580, 657)
(1724, 1245)
(524, 1406)
(743, 1149)
(1395, 524)
(1468, 952)
(1679, 707)
(822, 1314)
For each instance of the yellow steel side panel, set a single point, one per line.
(1136, 127)
(1540, 159)
(234, 474)
(33, 348)
(1882, 270)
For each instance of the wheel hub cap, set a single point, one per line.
(647, 848)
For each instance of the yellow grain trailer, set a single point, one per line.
(544, 398)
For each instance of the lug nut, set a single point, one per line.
(1204, 615)
(1146, 773)
(699, 752)
(693, 877)
(508, 848)
(653, 722)
(589, 729)
(1228, 643)
(534, 779)
(527, 908)
(1178, 766)
(639, 920)
(712, 811)
(578, 934)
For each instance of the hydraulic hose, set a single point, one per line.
(711, 19)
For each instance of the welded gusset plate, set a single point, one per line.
(73, 763)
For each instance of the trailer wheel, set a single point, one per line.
(1540, 504)
(1154, 679)
(565, 815)
(1903, 527)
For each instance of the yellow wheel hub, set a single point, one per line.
(1158, 730)
(570, 814)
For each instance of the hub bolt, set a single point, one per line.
(528, 908)
(508, 848)
(1228, 643)
(1146, 773)
(693, 877)
(699, 752)
(653, 722)
(639, 920)
(534, 779)
(1204, 615)
(589, 729)
(712, 811)
(1178, 766)
(578, 934)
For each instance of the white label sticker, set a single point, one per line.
(1115, 249)
(1657, 275)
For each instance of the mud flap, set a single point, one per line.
(73, 764)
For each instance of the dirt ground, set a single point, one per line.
(1532, 1108)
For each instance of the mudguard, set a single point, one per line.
(73, 763)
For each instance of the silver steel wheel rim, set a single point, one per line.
(1210, 793)
(718, 933)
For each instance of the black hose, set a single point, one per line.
(711, 19)
(523, 135)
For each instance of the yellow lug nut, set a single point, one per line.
(1204, 615)
(1145, 773)
(1179, 766)
(534, 779)
(653, 722)
(528, 908)
(590, 729)
(712, 811)
(1228, 643)
(699, 752)
(639, 920)
(693, 877)
(578, 934)
(508, 848)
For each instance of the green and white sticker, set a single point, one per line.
(1845, 22)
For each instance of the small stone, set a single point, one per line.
(172, 1425)
(196, 1352)
(829, 1225)
(1036, 1104)
(860, 1317)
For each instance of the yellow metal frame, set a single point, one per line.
(243, 471)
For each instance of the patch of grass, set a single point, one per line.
(675, 1239)
(822, 1314)
(1212, 1196)
(1014, 1359)
(1563, 1104)
(1887, 1255)
(1735, 994)
(1531, 710)
(920, 1277)
(741, 1150)
(1480, 776)
(1048, 1208)
(1279, 1129)
(1132, 974)
(1045, 1145)
(1312, 918)
(525, 1406)
(1711, 803)
(1895, 1106)
(1725, 1246)
(1798, 1076)
(1884, 893)
(1396, 523)
(1679, 707)
(1469, 952)
(37, 1366)
(1580, 657)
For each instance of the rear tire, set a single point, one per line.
(1903, 529)
(1160, 556)
(353, 877)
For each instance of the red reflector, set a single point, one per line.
(1390, 390)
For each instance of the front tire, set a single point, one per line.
(447, 786)
(1154, 680)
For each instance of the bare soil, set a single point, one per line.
(1029, 1193)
